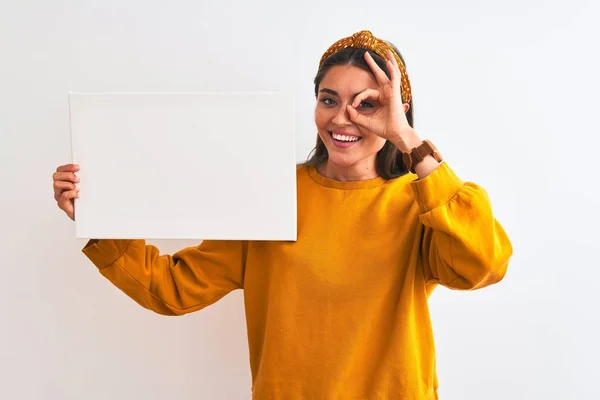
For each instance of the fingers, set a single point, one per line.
(63, 181)
(392, 65)
(68, 195)
(66, 202)
(65, 189)
(68, 168)
(358, 118)
(366, 94)
(380, 76)
(65, 176)
(62, 186)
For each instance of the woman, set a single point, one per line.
(342, 312)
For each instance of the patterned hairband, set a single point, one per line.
(366, 40)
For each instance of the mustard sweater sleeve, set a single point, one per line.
(464, 246)
(186, 281)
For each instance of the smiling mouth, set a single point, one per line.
(344, 138)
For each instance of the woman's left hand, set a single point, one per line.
(389, 120)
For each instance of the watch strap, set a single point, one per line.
(418, 154)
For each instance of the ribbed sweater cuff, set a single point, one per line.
(105, 252)
(437, 188)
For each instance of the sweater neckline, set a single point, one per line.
(316, 176)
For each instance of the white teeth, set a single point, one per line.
(344, 137)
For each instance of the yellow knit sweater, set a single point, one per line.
(342, 312)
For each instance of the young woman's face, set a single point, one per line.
(346, 145)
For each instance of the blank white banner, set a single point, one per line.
(185, 165)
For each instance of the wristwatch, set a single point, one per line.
(417, 154)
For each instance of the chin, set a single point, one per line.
(342, 160)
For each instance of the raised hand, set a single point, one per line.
(388, 121)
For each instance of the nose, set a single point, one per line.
(341, 117)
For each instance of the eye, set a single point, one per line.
(365, 104)
(327, 101)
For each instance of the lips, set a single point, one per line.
(344, 136)
(343, 139)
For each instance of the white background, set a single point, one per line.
(508, 90)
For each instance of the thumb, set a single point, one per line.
(358, 118)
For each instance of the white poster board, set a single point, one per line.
(185, 165)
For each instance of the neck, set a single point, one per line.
(361, 171)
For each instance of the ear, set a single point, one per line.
(406, 107)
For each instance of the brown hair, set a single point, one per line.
(388, 162)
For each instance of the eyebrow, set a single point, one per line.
(333, 92)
